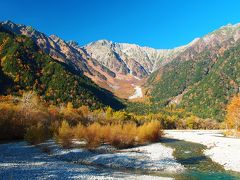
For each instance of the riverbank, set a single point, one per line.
(22, 161)
(149, 158)
(223, 150)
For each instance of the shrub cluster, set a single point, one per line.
(180, 120)
(31, 118)
(19, 115)
(118, 135)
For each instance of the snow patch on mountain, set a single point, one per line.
(137, 94)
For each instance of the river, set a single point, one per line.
(21, 161)
(197, 164)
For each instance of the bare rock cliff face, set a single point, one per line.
(129, 58)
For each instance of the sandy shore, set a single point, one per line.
(223, 150)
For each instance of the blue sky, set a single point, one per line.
(154, 23)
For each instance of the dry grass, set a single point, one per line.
(24, 117)
(118, 135)
(150, 132)
(65, 135)
(30, 118)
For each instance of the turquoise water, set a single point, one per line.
(197, 164)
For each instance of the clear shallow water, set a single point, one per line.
(197, 164)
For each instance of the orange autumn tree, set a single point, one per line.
(233, 114)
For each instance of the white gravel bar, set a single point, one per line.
(223, 150)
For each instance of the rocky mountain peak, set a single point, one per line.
(54, 37)
(103, 42)
(9, 25)
(73, 44)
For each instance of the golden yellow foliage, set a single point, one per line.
(233, 114)
(118, 135)
(150, 132)
(85, 111)
(69, 106)
(93, 135)
(79, 131)
(65, 134)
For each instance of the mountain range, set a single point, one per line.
(200, 77)
(26, 67)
